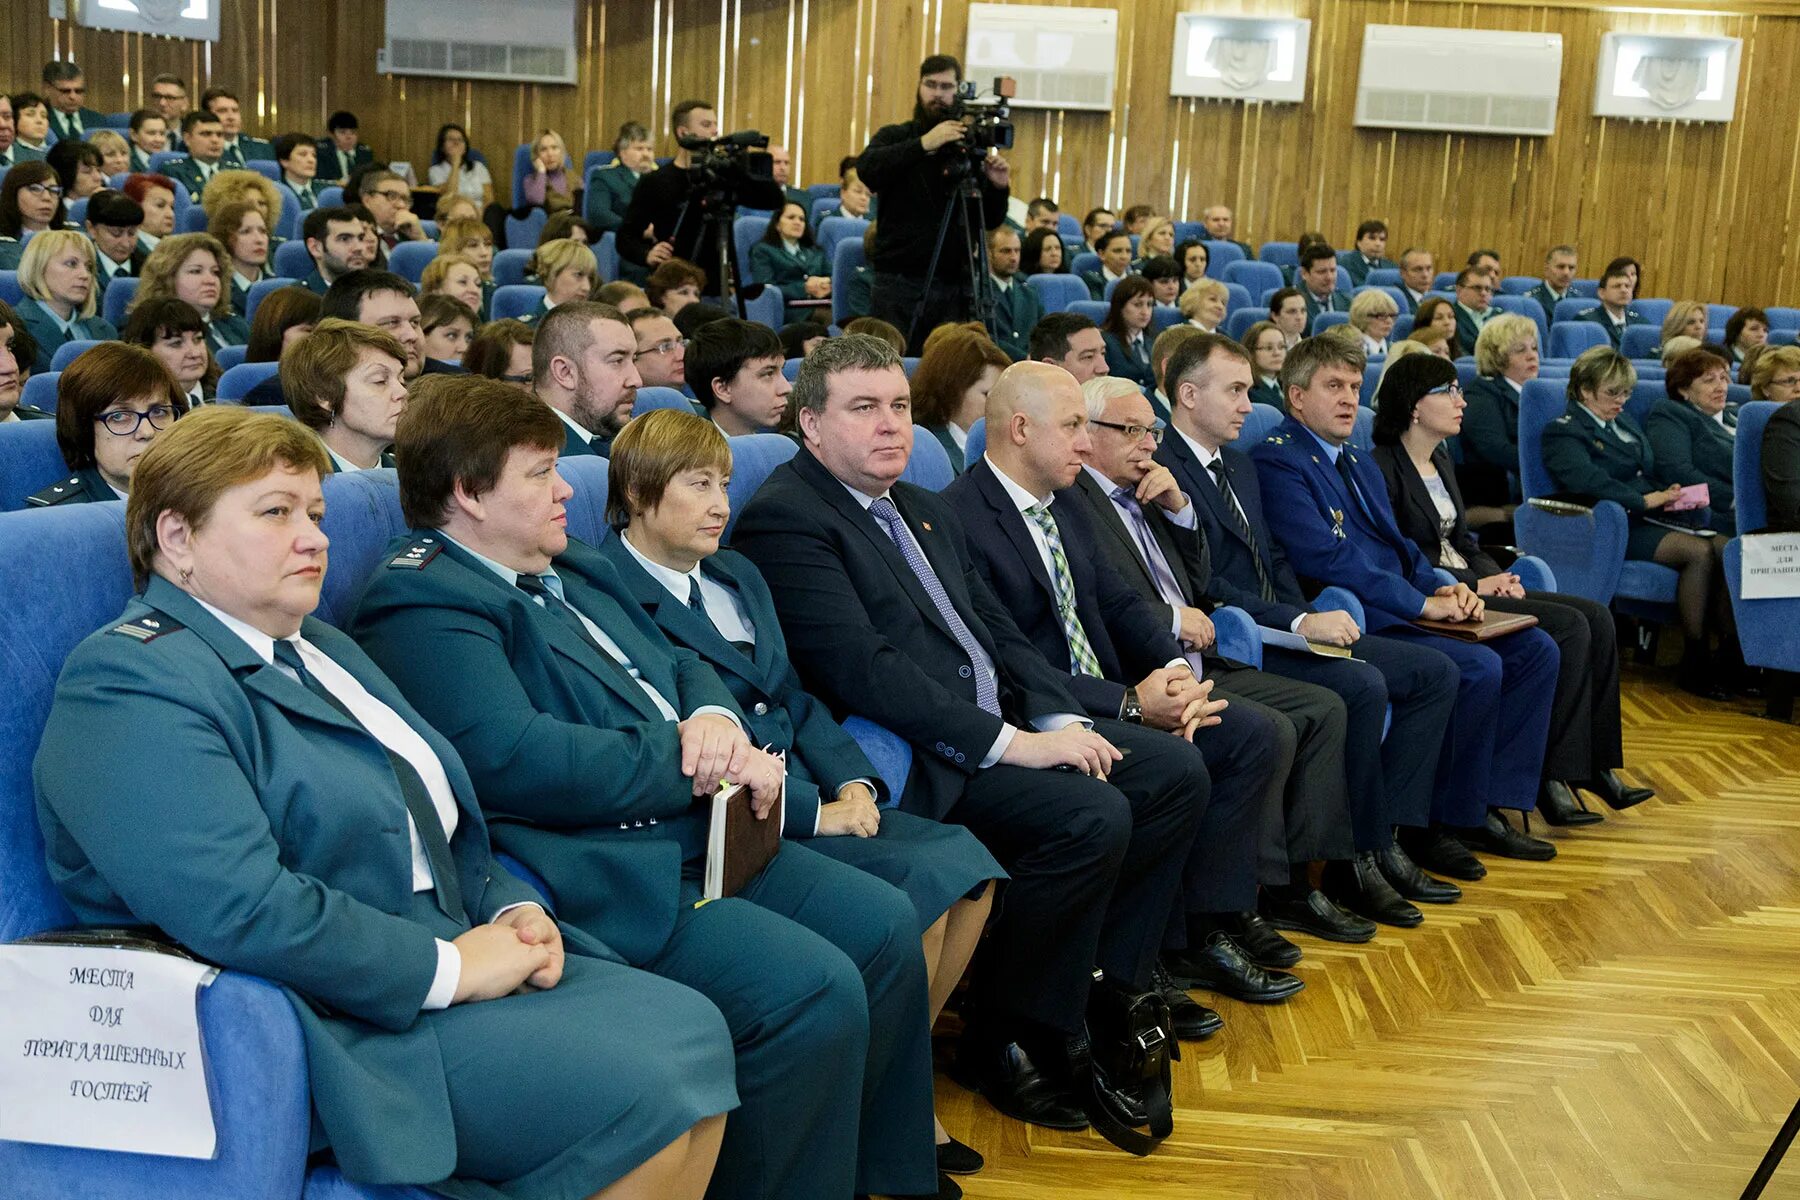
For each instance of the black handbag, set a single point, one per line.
(1121, 1067)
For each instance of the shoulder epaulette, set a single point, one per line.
(416, 555)
(148, 627)
(1562, 420)
(57, 493)
(1277, 439)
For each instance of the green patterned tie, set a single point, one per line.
(1081, 654)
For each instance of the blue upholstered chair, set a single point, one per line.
(408, 259)
(40, 392)
(230, 356)
(509, 267)
(651, 398)
(515, 300)
(68, 352)
(1058, 292)
(928, 466)
(29, 461)
(291, 260)
(1769, 630)
(117, 298)
(1256, 278)
(236, 383)
(260, 290)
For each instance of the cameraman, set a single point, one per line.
(914, 169)
(657, 229)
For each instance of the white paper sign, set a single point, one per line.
(1771, 566)
(100, 1048)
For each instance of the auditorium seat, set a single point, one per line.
(236, 383)
(606, 257)
(1058, 292)
(975, 445)
(192, 221)
(1162, 317)
(753, 457)
(331, 197)
(1568, 339)
(1783, 318)
(1383, 276)
(1640, 341)
(1644, 395)
(1326, 320)
(587, 474)
(1768, 629)
(815, 213)
(1518, 285)
(1219, 255)
(1363, 436)
(523, 232)
(1570, 308)
(1093, 310)
(509, 267)
(409, 259)
(833, 230)
(515, 300)
(362, 515)
(260, 290)
(40, 392)
(1257, 426)
(1444, 281)
(68, 352)
(745, 233)
(292, 260)
(230, 356)
(846, 257)
(10, 291)
(1282, 254)
(1087, 262)
(593, 160)
(1256, 278)
(1525, 306)
(29, 461)
(117, 298)
(162, 158)
(1185, 231)
(1237, 297)
(819, 191)
(1654, 309)
(649, 399)
(928, 466)
(1238, 323)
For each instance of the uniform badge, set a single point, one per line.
(926, 525)
(148, 628)
(415, 556)
(1337, 524)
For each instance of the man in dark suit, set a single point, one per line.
(340, 153)
(1327, 505)
(1418, 270)
(340, 241)
(1559, 274)
(886, 618)
(1370, 252)
(1317, 281)
(388, 302)
(205, 142)
(1017, 307)
(584, 366)
(112, 225)
(66, 89)
(1614, 312)
(1037, 551)
(1221, 226)
(1474, 306)
(239, 147)
(596, 745)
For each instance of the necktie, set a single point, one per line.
(987, 696)
(424, 813)
(1081, 653)
(1264, 586)
(1343, 470)
(1154, 561)
(694, 600)
(535, 587)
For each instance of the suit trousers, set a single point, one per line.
(1585, 729)
(821, 977)
(1095, 865)
(1397, 699)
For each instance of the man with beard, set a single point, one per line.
(335, 239)
(915, 167)
(583, 365)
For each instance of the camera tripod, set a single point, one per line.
(967, 191)
(718, 209)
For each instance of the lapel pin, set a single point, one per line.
(926, 525)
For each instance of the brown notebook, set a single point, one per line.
(739, 846)
(1492, 625)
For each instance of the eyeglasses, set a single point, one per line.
(71, 89)
(1135, 433)
(666, 346)
(1453, 388)
(1786, 381)
(398, 197)
(44, 189)
(123, 422)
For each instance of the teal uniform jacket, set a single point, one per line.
(1129, 360)
(1016, 310)
(1466, 329)
(942, 434)
(1262, 392)
(49, 335)
(1490, 442)
(1358, 267)
(315, 283)
(1616, 333)
(773, 265)
(607, 201)
(263, 831)
(859, 294)
(332, 169)
(1691, 447)
(248, 149)
(580, 772)
(574, 444)
(1585, 461)
(226, 331)
(64, 128)
(86, 486)
(1546, 298)
(307, 193)
(1336, 302)
(187, 171)
(240, 302)
(11, 251)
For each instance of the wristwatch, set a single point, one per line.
(1130, 709)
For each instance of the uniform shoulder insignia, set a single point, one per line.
(56, 493)
(1562, 420)
(148, 627)
(416, 555)
(1278, 439)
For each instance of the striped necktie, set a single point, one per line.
(1081, 651)
(987, 695)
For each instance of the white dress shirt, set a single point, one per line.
(581, 433)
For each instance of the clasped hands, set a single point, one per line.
(715, 750)
(1454, 602)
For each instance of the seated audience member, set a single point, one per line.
(567, 225)
(243, 187)
(569, 271)
(149, 134)
(66, 90)
(238, 147)
(298, 158)
(986, 714)
(1693, 433)
(1473, 309)
(111, 403)
(788, 259)
(407, 994)
(1419, 406)
(1506, 356)
(1776, 377)
(338, 242)
(244, 232)
(78, 169)
(1596, 452)
(1192, 258)
(340, 150)
(734, 368)
(1675, 347)
(193, 267)
(1042, 213)
(1162, 272)
(1370, 253)
(1437, 312)
(1631, 269)
(623, 295)
(668, 477)
(1136, 219)
(454, 206)
(1221, 226)
(584, 366)
(859, 292)
(1098, 221)
(1488, 263)
(115, 152)
(1317, 281)
(817, 967)
(474, 241)
(875, 327)
(1614, 312)
(175, 332)
(1327, 505)
(31, 201)
(1745, 329)
(458, 169)
(169, 94)
(1017, 307)
(1686, 318)
(1267, 347)
(387, 302)
(455, 276)
(502, 350)
(389, 201)
(1115, 263)
(1559, 276)
(1372, 315)
(284, 317)
(1072, 342)
(661, 353)
(448, 325)
(17, 351)
(1161, 350)
(799, 338)
(1043, 254)
(1204, 305)
(1155, 240)
(31, 127)
(547, 184)
(155, 194)
(950, 387)
(1418, 273)
(674, 285)
(610, 189)
(1127, 330)
(1287, 312)
(204, 140)
(57, 276)
(695, 315)
(345, 383)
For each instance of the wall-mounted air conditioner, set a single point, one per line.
(1464, 80)
(197, 19)
(1239, 58)
(1061, 57)
(1660, 77)
(521, 41)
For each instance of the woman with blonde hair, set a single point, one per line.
(194, 267)
(474, 241)
(1372, 315)
(569, 271)
(454, 206)
(1156, 241)
(951, 384)
(546, 183)
(1506, 358)
(1204, 305)
(240, 187)
(243, 229)
(1435, 339)
(115, 151)
(1687, 318)
(56, 273)
(454, 275)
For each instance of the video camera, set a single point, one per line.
(728, 163)
(987, 117)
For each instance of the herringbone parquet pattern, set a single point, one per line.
(1620, 1024)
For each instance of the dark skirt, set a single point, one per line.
(934, 864)
(1643, 539)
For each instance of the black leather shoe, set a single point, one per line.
(1558, 805)
(1616, 792)
(1262, 945)
(1220, 966)
(1193, 1021)
(1013, 1084)
(954, 1158)
(1435, 850)
(1359, 886)
(1317, 915)
(1404, 876)
(1498, 837)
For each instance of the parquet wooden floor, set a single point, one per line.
(1622, 1023)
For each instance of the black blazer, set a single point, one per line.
(1129, 636)
(1781, 468)
(1490, 442)
(1190, 561)
(1417, 516)
(866, 637)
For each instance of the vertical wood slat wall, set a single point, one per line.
(1709, 209)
